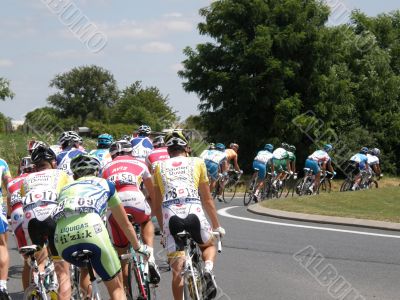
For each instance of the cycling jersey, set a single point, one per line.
(56, 149)
(80, 226)
(103, 155)
(4, 177)
(264, 156)
(17, 213)
(141, 147)
(260, 162)
(127, 173)
(213, 159)
(291, 156)
(156, 156)
(4, 173)
(65, 157)
(178, 180)
(280, 153)
(360, 159)
(372, 160)
(39, 192)
(320, 156)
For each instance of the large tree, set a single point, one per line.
(86, 91)
(139, 105)
(5, 91)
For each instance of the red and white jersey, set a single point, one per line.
(14, 188)
(157, 155)
(126, 172)
(320, 156)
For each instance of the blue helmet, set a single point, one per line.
(220, 147)
(328, 147)
(364, 150)
(105, 139)
(269, 147)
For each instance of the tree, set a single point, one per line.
(138, 105)
(87, 91)
(5, 91)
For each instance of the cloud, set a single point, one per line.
(152, 47)
(6, 63)
(173, 15)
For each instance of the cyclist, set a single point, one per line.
(318, 160)
(215, 161)
(232, 156)
(127, 174)
(17, 215)
(82, 204)
(102, 152)
(158, 154)
(373, 161)
(262, 163)
(281, 163)
(69, 142)
(5, 177)
(32, 144)
(359, 163)
(292, 160)
(182, 193)
(39, 192)
(142, 145)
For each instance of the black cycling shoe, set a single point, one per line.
(211, 286)
(4, 295)
(155, 276)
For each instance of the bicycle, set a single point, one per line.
(303, 185)
(43, 285)
(194, 285)
(139, 286)
(230, 186)
(325, 184)
(75, 275)
(251, 189)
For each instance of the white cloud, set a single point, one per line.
(157, 47)
(173, 15)
(6, 63)
(179, 25)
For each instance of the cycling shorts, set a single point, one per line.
(87, 232)
(187, 216)
(17, 220)
(134, 204)
(313, 165)
(280, 165)
(262, 169)
(212, 169)
(40, 233)
(3, 220)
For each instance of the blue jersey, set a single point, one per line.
(103, 155)
(4, 173)
(65, 157)
(361, 159)
(141, 147)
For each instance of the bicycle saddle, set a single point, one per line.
(29, 250)
(82, 255)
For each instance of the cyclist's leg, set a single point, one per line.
(262, 170)
(313, 165)
(4, 261)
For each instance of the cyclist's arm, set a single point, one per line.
(235, 163)
(148, 183)
(157, 203)
(208, 204)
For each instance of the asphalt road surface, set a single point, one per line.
(267, 258)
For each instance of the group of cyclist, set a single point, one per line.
(281, 163)
(66, 199)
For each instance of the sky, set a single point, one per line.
(134, 40)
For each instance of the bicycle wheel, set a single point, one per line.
(325, 186)
(346, 185)
(280, 188)
(249, 194)
(373, 184)
(229, 191)
(136, 287)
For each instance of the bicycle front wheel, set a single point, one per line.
(325, 186)
(229, 191)
(249, 194)
(346, 185)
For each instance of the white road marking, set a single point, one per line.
(224, 212)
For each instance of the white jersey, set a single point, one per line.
(264, 156)
(280, 153)
(372, 160)
(320, 156)
(213, 155)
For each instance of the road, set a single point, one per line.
(267, 258)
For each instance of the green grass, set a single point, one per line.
(381, 204)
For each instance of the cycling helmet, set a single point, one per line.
(328, 148)
(26, 165)
(42, 153)
(158, 141)
(85, 165)
(220, 147)
(211, 146)
(376, 152)
(234, 146)
(104, 140)
(292, 148)
(269, 147)
(126, 137)
(285, 146)
(176, 138)
(32, 144)
(144, 130)
(364, 150)
(68, 138)
(121, 147)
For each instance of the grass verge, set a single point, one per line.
(381, 204)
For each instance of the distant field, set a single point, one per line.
(382, 204)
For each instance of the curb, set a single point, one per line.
(263, 211)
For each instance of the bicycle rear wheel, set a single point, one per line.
(249, 194)
(373, 184)
(346, 185)
(325, 186)
(229, 191)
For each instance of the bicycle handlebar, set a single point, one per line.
(219, 243)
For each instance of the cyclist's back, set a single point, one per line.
(141, 144)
